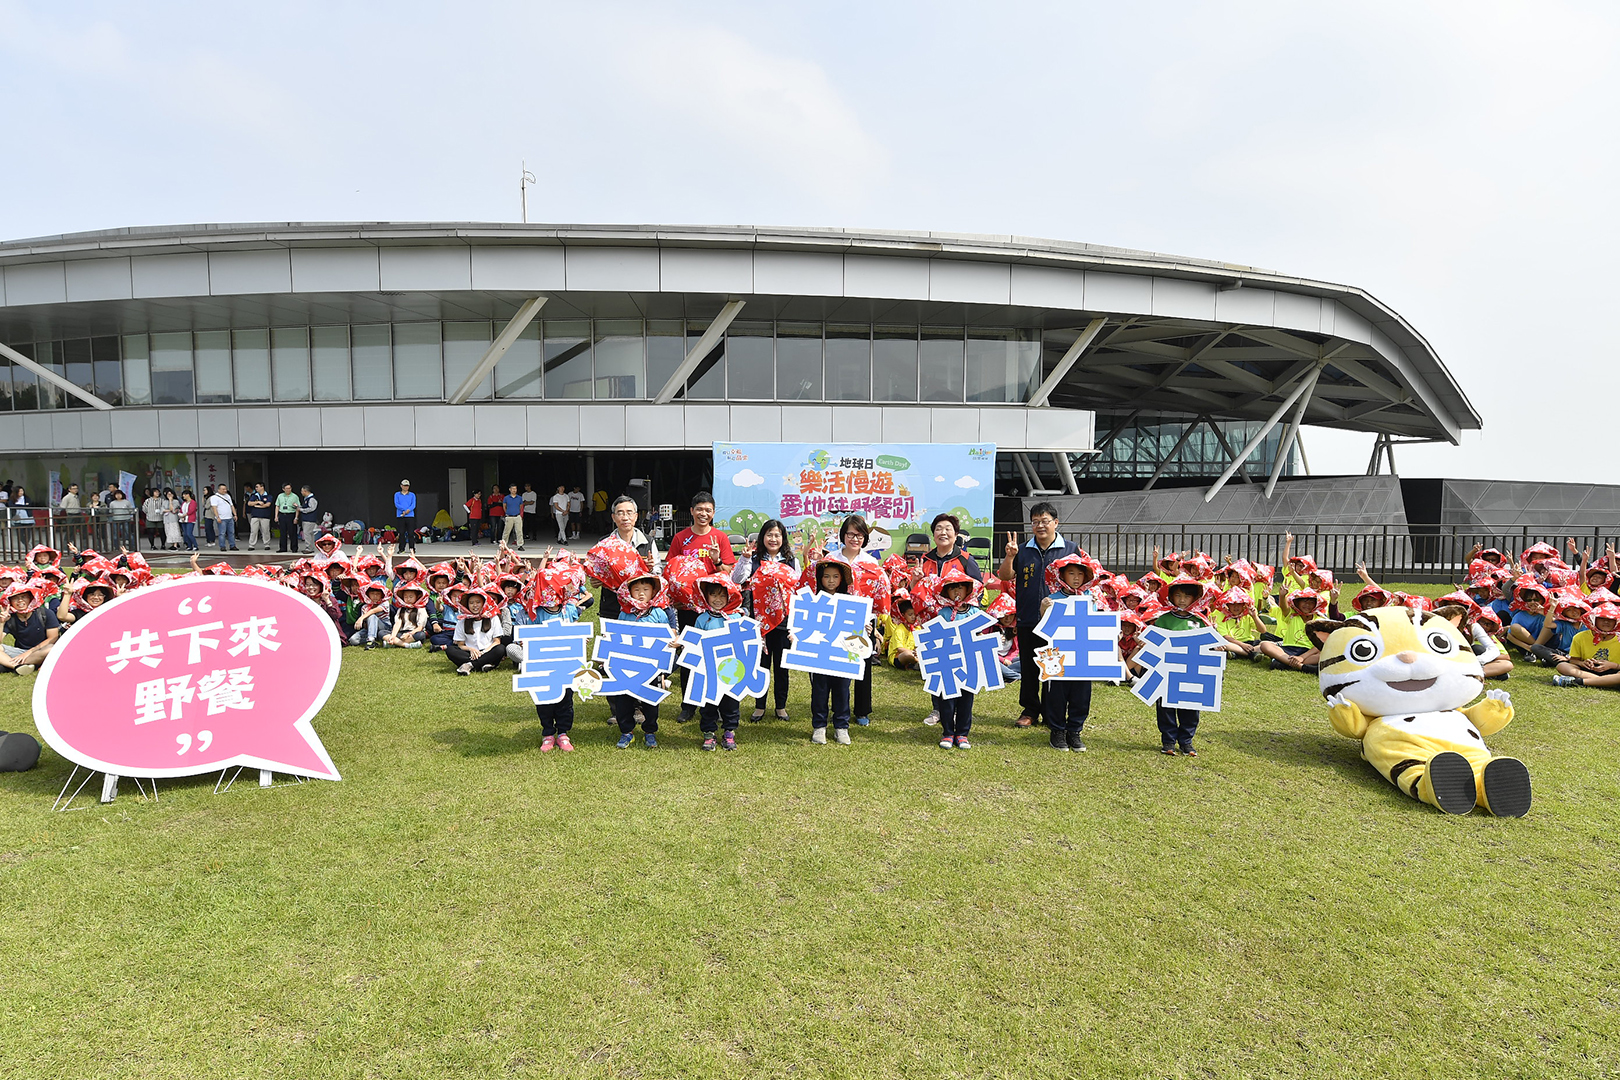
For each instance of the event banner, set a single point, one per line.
(897, 487)
(192, 676)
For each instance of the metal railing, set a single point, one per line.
(1427, 554)
(23, 527)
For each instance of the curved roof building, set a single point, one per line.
(243, 342)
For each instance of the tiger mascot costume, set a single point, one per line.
(1397, 679)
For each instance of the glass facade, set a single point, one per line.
(554, 359)
(1137, 451)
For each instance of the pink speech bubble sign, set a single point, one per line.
(192, 676)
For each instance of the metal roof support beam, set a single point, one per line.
(1081, 343)
(1065, 472)
(497, 349)
(1036, 473)
(1304, 387)
(1108, 439)
(1220, 437)
(706, 344)
(1023, 470)
(1288, 438)
(1171, 456)
(53, 378)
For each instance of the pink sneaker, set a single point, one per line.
(548, 744)
(564, 745)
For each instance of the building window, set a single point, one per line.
(371, 352)
(894, 363)
(849, 363)
(941, 361)
(621, 359)
(798, 361)
(465, 344)
(79, 372)
(750, 362)
(666, 348)
(418, 360)
(329, 362)
(708, 379)
(172, 382)
(137, 376)
(517, 374)
(213, 367)
(567, 359)
(250, 358)
(104, 353)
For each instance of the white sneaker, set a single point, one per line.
(819, 736)
(947, 743)
(842, 735)
(25, 669)
(464, 669)
(932, 718)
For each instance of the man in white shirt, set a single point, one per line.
(559, 510)
(576, 510)
(224, 517)
(70, 500)
(531, 501)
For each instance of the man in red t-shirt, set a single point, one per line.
(475, 515)
(709, 544)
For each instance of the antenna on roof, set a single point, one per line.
(523, 189)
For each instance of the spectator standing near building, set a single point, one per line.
(309, 518)
(287, 519)
(224, 517)
(495, 511)
(512, 508)
(188, 517)
(576, 512)
(559, 510)
(531, 502)
(70, 502)
(475, 516)
(405, 515)
(1025, 566)
(259, 508)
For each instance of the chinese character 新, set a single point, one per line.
(955, 658)
(553, 653)
(633, 655)
(1184, 668)
(822, 627)
(724, 662)
(1088, 640)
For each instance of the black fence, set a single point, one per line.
(1422, 554)
(24, 527)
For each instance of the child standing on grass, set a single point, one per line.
(722, 598)
(1068, 701)
(829, 694)
(1178, 726)
(550, 593)
(958, 594)
(643, 598)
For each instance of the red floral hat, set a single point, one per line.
(1054, 574)
(720, 581)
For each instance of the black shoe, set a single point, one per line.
(1076, 743)
(1507, 787)
(1453, 781)
(687, 712)
(1059, 740)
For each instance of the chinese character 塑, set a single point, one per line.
(822, 626)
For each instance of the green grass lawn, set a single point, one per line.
(459, 905)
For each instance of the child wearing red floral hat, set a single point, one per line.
(721, 597)
(1594, 654)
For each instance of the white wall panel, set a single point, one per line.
(343, 425)
(169, 275)
(890, 278)
(654, 425)
(498, 425)
(301, 427)
(336, 270)
(601, 425)
(216, 429)
(1004, 427)
(1296, 312)
(612, 269)
(37, 430)
(518, 269)
(134, 429)
(704, 424)
(854, 423)
(425, 269)
(960, 281)
(95, 430)
(1059, 429)
(799, 273)
(756, 423)
(451, 425)
(1350, 326)
(99, 279)
(390, 425)
(807, 423)
(908, 425)
(234, 272)
(553, 426)
(11, 432)
(36, 283)
(1176, 298)
(703, 271)
(65, 431)
(1127, 294)
(1048, 286)
(259, 428)
(955, 425)
(177, 429)
(1254, 307)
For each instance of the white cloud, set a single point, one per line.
(939, 479)
(747, 478)
(967, 482)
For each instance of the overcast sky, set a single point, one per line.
(1457, 160)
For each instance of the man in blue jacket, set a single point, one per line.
(1026, 567)
(405, 515)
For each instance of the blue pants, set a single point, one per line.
(1068, 703)
(624, 709)
(188, 533)
(371, 629)
(712, 717)
(955, 714)
(825, 691)
(226, 530)
(558, 717)
(1178, 726)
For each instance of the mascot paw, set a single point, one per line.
(1499, 695)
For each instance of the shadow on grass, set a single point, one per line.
(1306, 750)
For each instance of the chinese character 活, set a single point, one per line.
(1184, 668)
